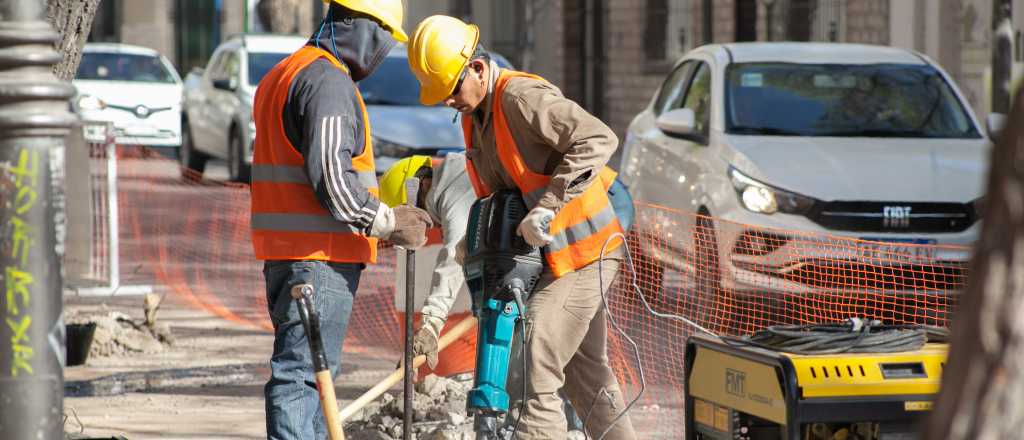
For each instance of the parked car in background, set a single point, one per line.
(401, 126)
(217, 120)
(866, 142)
(136, 89)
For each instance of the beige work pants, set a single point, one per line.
(567, 349)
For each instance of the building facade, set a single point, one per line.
(611, 55)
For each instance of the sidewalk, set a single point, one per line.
(208, 385)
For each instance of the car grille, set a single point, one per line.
(946, 277)
(894, 216)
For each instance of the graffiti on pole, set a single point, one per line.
(17, 275)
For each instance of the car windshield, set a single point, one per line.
(261, 62)
(107, 66)
(391, 84)
(878, 100)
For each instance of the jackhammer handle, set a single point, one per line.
(303, 294)
(446, 339)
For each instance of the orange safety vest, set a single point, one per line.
(582, 226)
(288, 222)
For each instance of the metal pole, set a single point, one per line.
(1002, 56)
(34, 121)
(410, 286)
(412, 189)
(113, 224)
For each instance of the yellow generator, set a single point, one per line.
(737, 391)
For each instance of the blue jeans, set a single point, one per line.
(292, 402)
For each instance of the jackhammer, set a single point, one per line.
(501, 271)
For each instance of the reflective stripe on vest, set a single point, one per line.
(297, 174)
(583, 226)
(288, 221)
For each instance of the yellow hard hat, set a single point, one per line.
(392, 183)
(439, 50)
(389, 12)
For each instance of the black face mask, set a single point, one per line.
(360, 43)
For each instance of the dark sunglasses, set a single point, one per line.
(458, 85)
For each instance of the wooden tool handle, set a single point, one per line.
(329, 403)
(446, 339)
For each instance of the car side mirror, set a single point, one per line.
(225, 84)
(680, 123)
(994, 123)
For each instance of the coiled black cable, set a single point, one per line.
(854, 335)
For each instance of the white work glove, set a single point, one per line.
(535, 226)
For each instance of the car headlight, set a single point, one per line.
(382, 147)
(766, 199)
(89, 102)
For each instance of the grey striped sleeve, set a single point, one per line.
(323, 101)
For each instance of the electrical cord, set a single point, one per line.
(521, 323)
(615, 324)
(855, 335)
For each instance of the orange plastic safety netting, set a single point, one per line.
(192, 235)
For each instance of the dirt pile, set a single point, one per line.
(118, 334)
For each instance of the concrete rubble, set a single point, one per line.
(439, 413)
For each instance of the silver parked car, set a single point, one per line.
(865, 142)
(217, 118)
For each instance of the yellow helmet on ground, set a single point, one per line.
(389, 12)
(439, 50)
(392, 183)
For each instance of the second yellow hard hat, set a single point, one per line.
(392, 183)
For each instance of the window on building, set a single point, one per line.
(746, 20)
(508, 33)
(798, 20)
(667, 33)
(813, 20)
(106, 23)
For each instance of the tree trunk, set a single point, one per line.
(73, 20)
(982, 393)
(278, 16)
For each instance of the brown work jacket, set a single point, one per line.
(555, 137)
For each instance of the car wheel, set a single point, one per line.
(238, 170)
(711, 308)
(193, 162)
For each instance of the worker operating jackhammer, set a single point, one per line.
(522, 134)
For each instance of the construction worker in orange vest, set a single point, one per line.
(315, 213)
(521, 133)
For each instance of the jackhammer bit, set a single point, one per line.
(303, 295)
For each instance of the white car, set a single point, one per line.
(218, 101)
(134, 87)
(782, 145)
